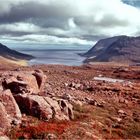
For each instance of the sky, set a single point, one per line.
(80, 22)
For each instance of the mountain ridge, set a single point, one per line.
(122, 49)
(13, 54)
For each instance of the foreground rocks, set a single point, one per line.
(20, 82)
(5, 121)
(10, 112)
(70, 103)
(44, 107)
(21, 92)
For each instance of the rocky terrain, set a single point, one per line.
(98, 101)
(122, 49)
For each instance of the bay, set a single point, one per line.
(55, 54)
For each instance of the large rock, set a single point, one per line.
(66, 108)
(24, 82)
(44, 107)
(62, 109)
(40, 78)
(4, 119)
(11, 107)
(21, 82)
(34, 105)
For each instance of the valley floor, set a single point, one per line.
(102, 109)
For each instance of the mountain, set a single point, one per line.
(122, 49)
(5, 52)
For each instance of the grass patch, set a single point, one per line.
(39, 130)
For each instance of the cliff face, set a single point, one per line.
(121, 49)
(12, 54)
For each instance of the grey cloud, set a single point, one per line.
(61, 23)
(111, 21)
(93, 37)
(14, 33)
(30, 10)
(45, 16)
(107, 21)
(5, 31)
(52, 19)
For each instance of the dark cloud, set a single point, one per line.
(61, 23)
(93, 37)
(107, 21)
(14, 33)
(31, 11)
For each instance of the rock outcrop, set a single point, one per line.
(44, 107)
(20, 82)
(9, 111)
(24, 82)
(10, 105)
(4, 119)
(40, 78)
(20, 92)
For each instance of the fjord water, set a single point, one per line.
(54, 54)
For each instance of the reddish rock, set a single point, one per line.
(21, 82)
(11, 106)
(4, 119)
(66, 108)
(44, 107)
(40, 78)
(34, 105)
(121, 111)
(57, 112)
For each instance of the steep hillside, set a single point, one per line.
(122, 49)
(12, 54)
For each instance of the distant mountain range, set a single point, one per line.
(122, 49)
(12, 54)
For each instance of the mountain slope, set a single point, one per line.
(122, 49)
(12, 54)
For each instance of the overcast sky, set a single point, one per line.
(67, 21)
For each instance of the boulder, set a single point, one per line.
(24, 82)
(34, 105)
(44, 108)
(11, 106)
(62, 109)
(67, 108)
(40, 78)
(4, 119)
(57, 113)
(21, 82)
